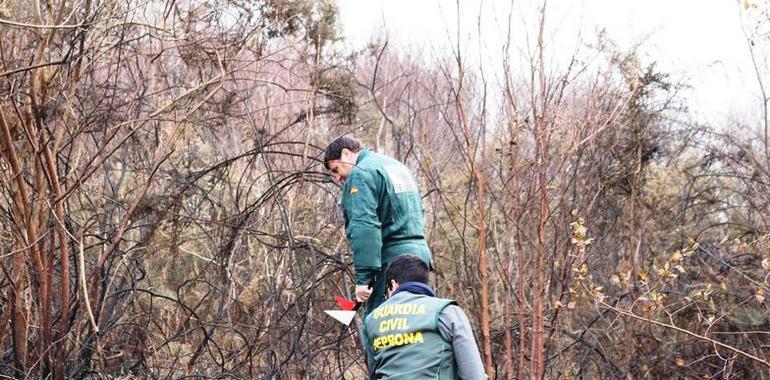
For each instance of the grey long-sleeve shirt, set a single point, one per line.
(455, 327)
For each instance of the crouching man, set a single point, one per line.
(415, 335)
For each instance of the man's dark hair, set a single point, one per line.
(334, 150)
(407, 268)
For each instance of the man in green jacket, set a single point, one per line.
(383, 213)
(416, 335)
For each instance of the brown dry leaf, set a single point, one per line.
(578, 231)
(680, 362)
(643, 277)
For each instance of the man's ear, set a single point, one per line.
(344, 152)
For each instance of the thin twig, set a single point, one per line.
(38, 26)
(84, 285)
(686, 332)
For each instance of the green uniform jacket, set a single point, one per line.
(383, 215)
(404, 339)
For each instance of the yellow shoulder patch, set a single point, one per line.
(353, 190)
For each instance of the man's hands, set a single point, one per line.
(363, 292)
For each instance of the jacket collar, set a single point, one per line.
(362, 154)
(415, 288)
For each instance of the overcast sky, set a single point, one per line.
(700, 41)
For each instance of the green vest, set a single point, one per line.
(404, 338)
(383, 214)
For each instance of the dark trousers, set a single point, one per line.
(379, 290)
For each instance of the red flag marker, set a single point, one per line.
(345, 304)
(348, 312)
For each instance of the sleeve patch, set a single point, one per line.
(353, 190)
